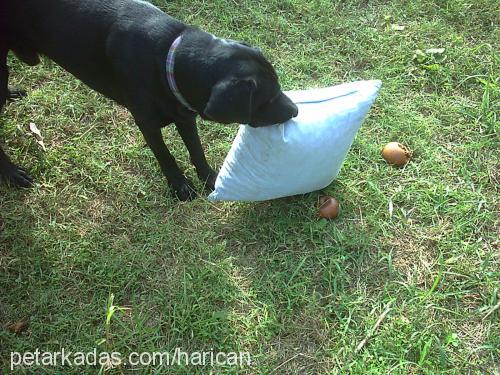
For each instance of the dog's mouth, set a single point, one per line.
(276, 111)
(276, 117)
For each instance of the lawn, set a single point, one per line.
(101, 229)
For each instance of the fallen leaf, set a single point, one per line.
(35, 131)
(391, 208)
(435, 51)
(38, 135)
(397, 27)
(20, 326)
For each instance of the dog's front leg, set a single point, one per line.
(189, 134)
(183, 188)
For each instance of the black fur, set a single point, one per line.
(119, 48)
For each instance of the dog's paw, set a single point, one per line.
(16, 176)
(15, 93)
(184, 190)
(209, 179)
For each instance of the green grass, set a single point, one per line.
(270, 278)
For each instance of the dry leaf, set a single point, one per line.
(435, 51)
(38, 135)
(397, 27)
(20, 326)
(35, 131)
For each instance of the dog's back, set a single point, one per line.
(80, 36)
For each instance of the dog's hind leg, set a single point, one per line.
(8, 170)
(28, 57)
(12, 173)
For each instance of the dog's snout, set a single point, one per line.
(295, 112)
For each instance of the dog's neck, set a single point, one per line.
(194, 67)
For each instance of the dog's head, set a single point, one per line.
(246, 89)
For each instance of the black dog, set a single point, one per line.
(120, 48)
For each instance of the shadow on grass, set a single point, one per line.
(301, 277)
(268, 278)
(16, 240)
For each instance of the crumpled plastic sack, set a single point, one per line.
(301, 155)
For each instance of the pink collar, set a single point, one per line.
(171, 75)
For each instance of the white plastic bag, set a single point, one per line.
(302, 155)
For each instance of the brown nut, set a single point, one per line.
(329, 207)
(396, 154)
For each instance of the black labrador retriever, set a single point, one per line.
(159, 68)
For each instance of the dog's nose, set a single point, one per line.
(295, 110)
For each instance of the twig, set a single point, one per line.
(363, 342)
(372, 331)
(288, 360)
(492, 310)
(205, 199)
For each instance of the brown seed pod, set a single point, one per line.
(20, 326)
(329, 207)
(322, 199)
(396, 154)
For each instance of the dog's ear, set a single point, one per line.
(231, 101)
